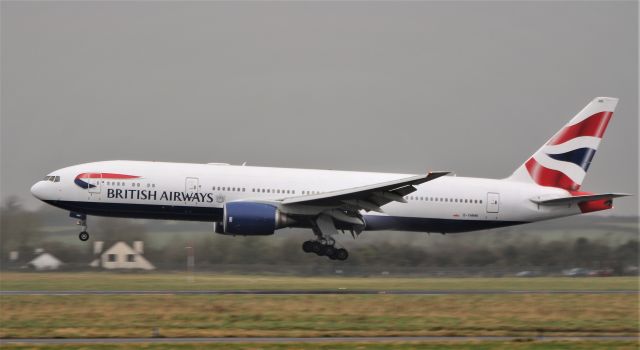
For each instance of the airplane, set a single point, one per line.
(255, 201)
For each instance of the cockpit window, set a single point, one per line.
(56, 179)
(51, 178)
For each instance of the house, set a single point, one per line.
(44, 261)
(120, 256)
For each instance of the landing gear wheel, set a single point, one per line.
(84, 236)
(330, 251)
(322, 250)
(316, 247)
(342, 254)
(307, 246)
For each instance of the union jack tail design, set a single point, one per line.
(563, 161)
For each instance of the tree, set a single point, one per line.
(19, 229)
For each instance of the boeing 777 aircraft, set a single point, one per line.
(247, 200)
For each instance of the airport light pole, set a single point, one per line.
(190, 262)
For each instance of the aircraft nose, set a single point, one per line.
(38, 189)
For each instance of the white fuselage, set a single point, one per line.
(179, 191)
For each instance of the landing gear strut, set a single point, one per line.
(324, 245)
(84, 235)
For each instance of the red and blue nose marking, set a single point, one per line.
(80, 179)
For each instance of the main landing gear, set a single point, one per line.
(324, 245)
(325, 248)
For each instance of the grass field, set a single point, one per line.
(179, 281)
(544, 345)
(526, 315)
(316, 315)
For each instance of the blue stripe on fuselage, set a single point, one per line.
(142, 211)
(403, 223)
(209, 214)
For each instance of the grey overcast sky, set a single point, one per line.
(474, 87)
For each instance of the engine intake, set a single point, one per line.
(252, 219)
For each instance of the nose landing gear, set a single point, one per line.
(82, 221)
(84, 236)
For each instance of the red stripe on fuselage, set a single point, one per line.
(105, 176)
(549, 177)
(595, 125)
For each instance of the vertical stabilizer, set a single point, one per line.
(563, 161)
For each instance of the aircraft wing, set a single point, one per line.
(578, 199)
(369, 198)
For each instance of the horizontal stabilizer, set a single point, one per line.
(578, 199)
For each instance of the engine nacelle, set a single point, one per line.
(251, 219)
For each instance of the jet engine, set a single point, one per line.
(251, 219)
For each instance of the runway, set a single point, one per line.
(308, 292)
(303, 340)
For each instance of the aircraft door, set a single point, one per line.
(493, 202)
(191, 185)
(94, 182)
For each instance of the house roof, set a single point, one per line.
(120, 247)
(45, 259)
